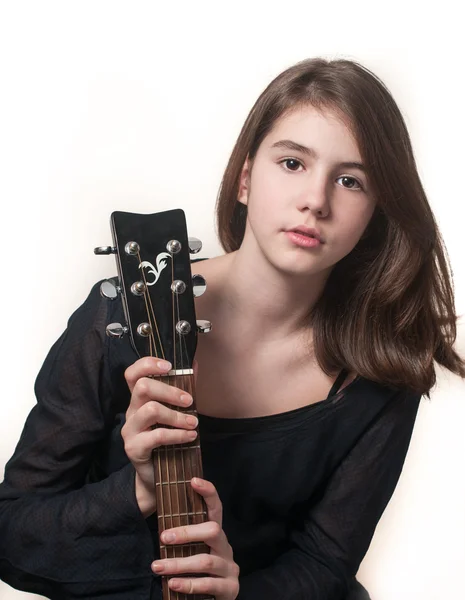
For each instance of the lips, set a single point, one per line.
(308, 231)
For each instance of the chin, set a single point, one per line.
(288, 264)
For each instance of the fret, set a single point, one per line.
(184, 447)
(184, 411)
(168, 516)
(187, 544)
(175, 372)
(172, 482)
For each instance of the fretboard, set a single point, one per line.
(177, 502)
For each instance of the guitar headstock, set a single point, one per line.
(156, 285)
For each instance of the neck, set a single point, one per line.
(263, 303)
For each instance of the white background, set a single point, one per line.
(136, 106)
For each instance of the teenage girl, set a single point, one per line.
(330, 305)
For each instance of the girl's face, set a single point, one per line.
(299, 178)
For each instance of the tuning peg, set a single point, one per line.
(105, 250)
(183, 327)
(199, 285)
(195, 245)
(204, 326)
(109, 290)
(116, 330)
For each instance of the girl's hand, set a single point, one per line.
(224, 581)
(146, 410)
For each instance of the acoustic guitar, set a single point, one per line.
(157, 290)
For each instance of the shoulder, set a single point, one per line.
(215, 272)
(391, 407)
(364, 402)
(214, 267)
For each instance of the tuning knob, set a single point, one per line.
(183, 327)
(116, 330)
(199, 285)
(195, 245)
(138, 288)
(109, 290)
(203, 326)
(105, 250)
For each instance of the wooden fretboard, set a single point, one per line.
(177, 503)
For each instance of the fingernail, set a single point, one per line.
(186, 399)
(168, 537)
(174, 583)
(164, 365)
(191, 420)
(198, 482)
(156, 566)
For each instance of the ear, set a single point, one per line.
(244, 183)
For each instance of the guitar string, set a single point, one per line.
(189, 517)
(152, 312)
(151, 316)
(182, 342)
(182, 453)
(193, 464)
(196, 498)
(173, 451)
(190, 550)
(198, 506)
(179, 453)
(198, 510)
(175, 366)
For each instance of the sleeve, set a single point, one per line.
(327, 549)
(56, 530)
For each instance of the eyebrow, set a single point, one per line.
(290, 145)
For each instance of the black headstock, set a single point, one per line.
(154, 267)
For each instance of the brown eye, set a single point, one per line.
(350, 183)
(293, 162)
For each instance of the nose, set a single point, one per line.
(315, 197)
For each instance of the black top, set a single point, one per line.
(302, 490)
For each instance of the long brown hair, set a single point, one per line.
(387, 310)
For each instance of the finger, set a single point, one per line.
(139, 448)
(208, 491)
(153, 413)
(219, 587)
(208, 532)
(146, 390)
(145, 367)
(198, 563)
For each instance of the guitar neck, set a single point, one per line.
(177, 502)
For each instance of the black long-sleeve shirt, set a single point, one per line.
(302, 491)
